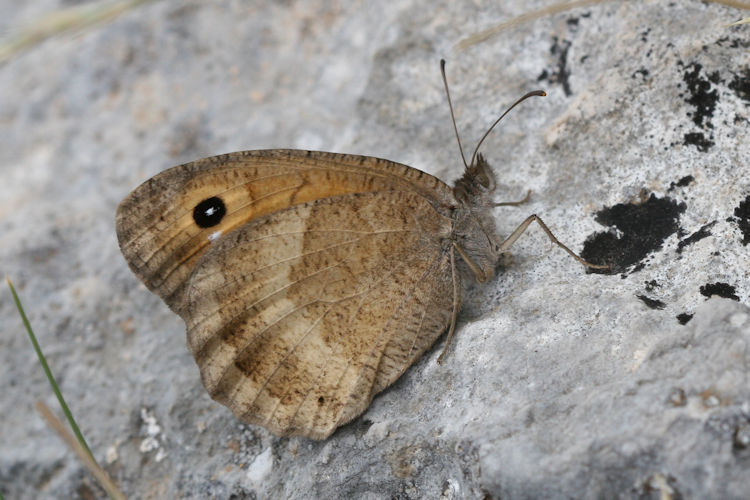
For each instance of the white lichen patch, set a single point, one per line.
(111, 454)
(261, 466)
(153, 436)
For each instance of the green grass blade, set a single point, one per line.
(48, 372)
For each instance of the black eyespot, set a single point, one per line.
(209, 212)
(321, 401)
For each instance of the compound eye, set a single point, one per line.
(209, 212)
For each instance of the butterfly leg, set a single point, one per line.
(479, 275)
(505, 245)
(514, 203)
(456, 304)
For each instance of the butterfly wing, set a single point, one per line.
(323, 277)
(156, 224)
(299, 318)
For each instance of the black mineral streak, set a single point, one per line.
(685, 181)
(701, 96)
(637, 229)
(741, 85)
(652, 303)
(742, 217)
(699, 140)
(719, 289)
(684, 318)
(696, 236)
(651, 285)
(734, 43)
(561, 74)
(643, 72)
(704, 99)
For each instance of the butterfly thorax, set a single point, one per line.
(474, 228)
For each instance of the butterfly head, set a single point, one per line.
(477, 183)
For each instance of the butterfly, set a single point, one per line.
(310, 281)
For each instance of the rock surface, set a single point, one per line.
(560, 384)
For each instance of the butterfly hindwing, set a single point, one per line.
(298, 318)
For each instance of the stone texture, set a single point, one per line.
(560, 384)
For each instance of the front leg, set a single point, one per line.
(505, 245)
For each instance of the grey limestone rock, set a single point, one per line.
(560, 383)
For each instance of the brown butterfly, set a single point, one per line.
(310, 281)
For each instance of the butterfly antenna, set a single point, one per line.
(540, 93)
(450, 105)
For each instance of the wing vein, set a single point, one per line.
(426, 274)
(385, 327)
(363, 233)
(291, 351)
(239, 297)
